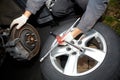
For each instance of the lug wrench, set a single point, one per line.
(74, 24)
(48, 52)
(58, 39)
(74, 46)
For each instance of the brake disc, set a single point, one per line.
(29, 44)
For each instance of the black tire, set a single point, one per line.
(107, 70)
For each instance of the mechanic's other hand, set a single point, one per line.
(66, 37)
(20, 21)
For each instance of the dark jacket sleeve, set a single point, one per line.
(94, 10)
(34, 5)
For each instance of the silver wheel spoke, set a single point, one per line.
(89, 36)
(96, 54)
(59, 52)
(71, 65)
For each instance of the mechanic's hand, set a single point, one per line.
(66, 37)
(20, 21)
(69, 36)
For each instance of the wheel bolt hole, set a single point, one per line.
(74, 53)
(68, 48)
(72, 42)
(79, 42)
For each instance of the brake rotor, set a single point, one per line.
(29, 44)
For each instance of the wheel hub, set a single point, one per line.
(29, 44)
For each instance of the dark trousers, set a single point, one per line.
(62, 9)
(66, 7)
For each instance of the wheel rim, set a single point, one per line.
(73, 62)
